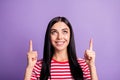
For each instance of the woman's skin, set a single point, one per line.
(60, 37)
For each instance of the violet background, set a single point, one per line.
(22, 20)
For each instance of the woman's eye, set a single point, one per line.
(53, 32)
(65, 31)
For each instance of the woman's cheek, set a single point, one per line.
(67, 37)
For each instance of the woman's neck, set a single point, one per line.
(60, 55)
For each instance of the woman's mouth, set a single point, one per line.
(60, 43)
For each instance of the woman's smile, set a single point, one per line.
(59, 43)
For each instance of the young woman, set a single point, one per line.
(59, 57)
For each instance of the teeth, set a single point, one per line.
(59, 43)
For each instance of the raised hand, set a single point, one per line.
(90, 54)
(32, 55)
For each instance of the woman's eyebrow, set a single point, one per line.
(65, 29)
(53, 29)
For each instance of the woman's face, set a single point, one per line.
(60, 36)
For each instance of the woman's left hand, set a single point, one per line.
(90, 54)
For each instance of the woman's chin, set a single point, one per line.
(60, 48)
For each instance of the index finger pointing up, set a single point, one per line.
(91, 44)
(30, 46)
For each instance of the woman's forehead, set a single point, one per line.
(60, 25)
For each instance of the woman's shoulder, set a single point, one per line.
(81, 61)
(37, 69)
(85, 68)
(38, 64)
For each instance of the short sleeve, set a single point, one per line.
(85, 69)
(36, 70)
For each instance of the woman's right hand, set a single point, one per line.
(31, 56)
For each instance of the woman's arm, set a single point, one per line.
(32, 59)
(90, 59)
(93, 72)
(28, 73)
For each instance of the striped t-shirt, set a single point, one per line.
(60, 70)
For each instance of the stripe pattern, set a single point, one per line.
(61, 70)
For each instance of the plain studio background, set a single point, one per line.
(22, 20)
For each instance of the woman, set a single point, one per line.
(59, 57)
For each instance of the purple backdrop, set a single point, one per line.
(23, 20)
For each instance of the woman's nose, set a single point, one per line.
(60, 36)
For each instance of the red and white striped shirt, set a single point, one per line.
(61, 70)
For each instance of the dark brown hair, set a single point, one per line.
(75, 68)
